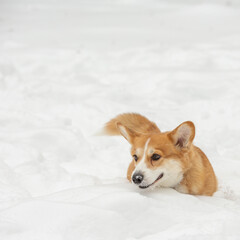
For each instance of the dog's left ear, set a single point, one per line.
(183, 135)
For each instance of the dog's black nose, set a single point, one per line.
(137, 177)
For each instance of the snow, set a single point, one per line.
(67, 67)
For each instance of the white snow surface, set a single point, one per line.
(67, 67)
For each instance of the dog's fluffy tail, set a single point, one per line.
(133, 121)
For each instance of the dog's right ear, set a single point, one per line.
(127, 133)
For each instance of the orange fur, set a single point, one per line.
(133, 121)
(198, 175)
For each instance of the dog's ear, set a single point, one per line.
(183, 135)
(127, 133)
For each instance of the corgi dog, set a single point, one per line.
(164, 159)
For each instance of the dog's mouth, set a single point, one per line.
(159, 177)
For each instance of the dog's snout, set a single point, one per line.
(137, 177)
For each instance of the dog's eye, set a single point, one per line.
(135, 157)
(155, 157)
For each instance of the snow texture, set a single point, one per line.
(67, 67)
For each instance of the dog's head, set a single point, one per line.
(160, 158)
